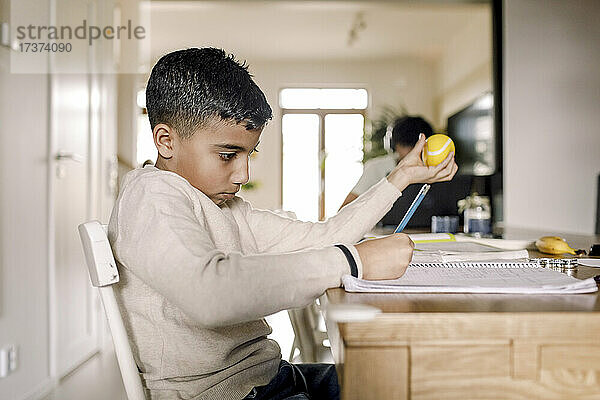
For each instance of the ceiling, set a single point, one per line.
(292, 30)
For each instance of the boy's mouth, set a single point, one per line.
(228, 195)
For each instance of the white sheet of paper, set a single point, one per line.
(439, 279)
(589, 262)
(440, 256)
(454, 246)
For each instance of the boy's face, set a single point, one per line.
(402, 151)
(214, 160)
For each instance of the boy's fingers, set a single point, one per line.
(451, 176)
(447, 171)
(451, 173)
(454, 170)
(445, 163)
(419, 145)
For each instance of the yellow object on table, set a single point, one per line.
(553, 245)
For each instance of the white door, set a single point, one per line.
(74, 314)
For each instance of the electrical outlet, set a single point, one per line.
(3, 362)
(8, 360)
(12, 358)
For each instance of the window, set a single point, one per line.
(145, 148)
(337, 99)
(322, 150)
(301, 165)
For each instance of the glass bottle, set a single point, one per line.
(477, 214)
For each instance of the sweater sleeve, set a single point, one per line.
(157, 236)
(374, 170)
(370, 176)
(276, 233)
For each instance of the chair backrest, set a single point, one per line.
(103, 274)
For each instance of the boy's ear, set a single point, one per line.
(164, 136)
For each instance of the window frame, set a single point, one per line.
(321, 112)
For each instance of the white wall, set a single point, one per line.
(392, 82)
(25, 236)
(551, 114)
(464, 71)
(23, 225)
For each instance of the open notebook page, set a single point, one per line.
(440, 279)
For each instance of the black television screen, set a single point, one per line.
(441, 199)
(472, 130)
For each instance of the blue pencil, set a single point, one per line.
(413, 208)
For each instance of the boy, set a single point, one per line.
(201, 268)
(403, 137)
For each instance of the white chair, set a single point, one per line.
(103, 274)
(309, 335)
(306, 322)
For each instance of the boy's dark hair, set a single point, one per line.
(406, 131)
(188, 88)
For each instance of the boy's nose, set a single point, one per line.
(241, 174)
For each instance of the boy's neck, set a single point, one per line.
(160, 164)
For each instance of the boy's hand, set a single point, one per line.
(412, 169)
(385, 258)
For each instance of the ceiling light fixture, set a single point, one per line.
(359, 24)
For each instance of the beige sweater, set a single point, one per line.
(197, 279)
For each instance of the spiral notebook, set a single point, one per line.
(476, 277)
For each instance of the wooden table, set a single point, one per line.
(470, 346)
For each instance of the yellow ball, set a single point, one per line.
(436, 149)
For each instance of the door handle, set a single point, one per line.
(64, 155)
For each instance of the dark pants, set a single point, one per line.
(300, 382)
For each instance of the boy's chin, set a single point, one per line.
(221, 198)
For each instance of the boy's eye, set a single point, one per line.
(226, 156)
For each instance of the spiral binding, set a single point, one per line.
(556, 263)
(478, 265)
